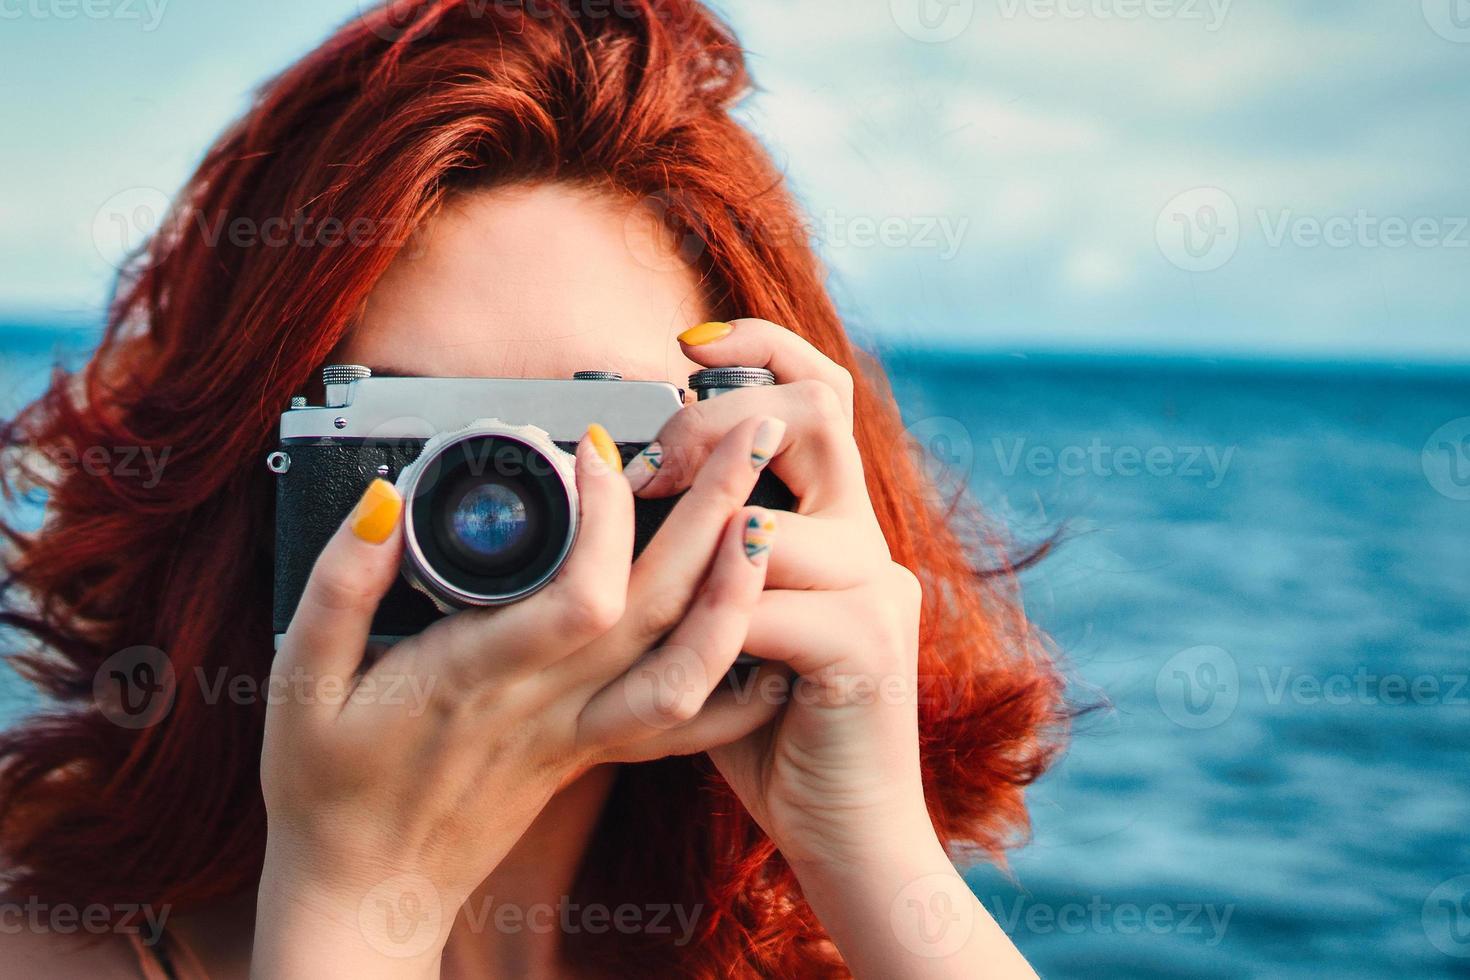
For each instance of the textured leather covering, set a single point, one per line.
(325, 480)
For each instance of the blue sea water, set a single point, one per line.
(1266, 580)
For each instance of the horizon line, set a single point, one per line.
(906, 346)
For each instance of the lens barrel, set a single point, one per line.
(490, 514)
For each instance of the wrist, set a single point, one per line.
(900, 848)
(905, 910)
(306, 927)
(878, 834)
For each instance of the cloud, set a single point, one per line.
(999, 187)
(1060, 139)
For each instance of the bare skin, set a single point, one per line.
(541, 282)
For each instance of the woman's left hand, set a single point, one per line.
(837, 774)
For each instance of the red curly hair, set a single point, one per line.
(402, 107)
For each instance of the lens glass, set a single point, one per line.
(492, 518)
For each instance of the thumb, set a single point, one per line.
(329, 631)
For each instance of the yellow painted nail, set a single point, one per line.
(606, 448)
(376, 514)
(705, 333)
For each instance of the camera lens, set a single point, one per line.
(488, 525)
(491, 514)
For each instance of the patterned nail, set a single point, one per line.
(645, 466)
(376, 514)
(605, 447)
(767, 440)
(705, 333)
(760, 532)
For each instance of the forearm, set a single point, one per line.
(907, 914)
(303, 932)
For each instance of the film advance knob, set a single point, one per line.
(715, 381)
(341, 374)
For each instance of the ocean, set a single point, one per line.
(1264, 583)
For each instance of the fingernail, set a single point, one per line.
(645, 466)
(705, 333)
(606, 448)
(767, 440)
(760, 532)
(376, 514)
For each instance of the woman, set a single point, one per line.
(468, 189)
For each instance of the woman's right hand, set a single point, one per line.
(393, 788)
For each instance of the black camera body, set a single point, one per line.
(485, 469)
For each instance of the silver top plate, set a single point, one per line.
(418, 408)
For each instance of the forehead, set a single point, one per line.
(532, 282)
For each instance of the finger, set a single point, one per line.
(751, 342)
(328, 634)
(585, 599)
(663, 581)
(829, 553)
(869, 633)
(668, 687)
(740, 706)
(672, 565)
(596, 572)
(817, 457)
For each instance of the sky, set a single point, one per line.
(1283, 178)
